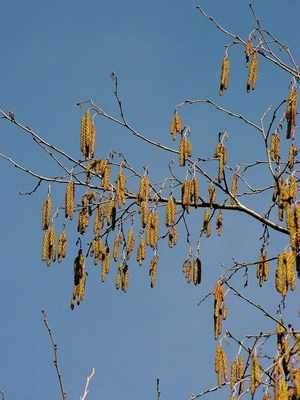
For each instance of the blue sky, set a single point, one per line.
(55, 54)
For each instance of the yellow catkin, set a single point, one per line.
(185, 150)
(221, 155)
(106, 177)
(172, 236)
(292, 154)
(240, 372)
(144, 212)
(212, 195)
(69, 200)
(297, 223)
(130, 242)
(62, 246)
(255, 378)
(153, 222)
(176, 125)
(105, 266)
(46, 257)
(46, 212)
(186, 194)
(80, 276)
(262, 268)
(291, 269)
(153, 271)
(224, 77)
(219, 223)
(195, 192)
(83, 221)
(121, 189)
(218, 308)
(125, 278)
(296, 380)
(291, 112)
(87, 136)
(252, 71)
(52, 242)
(196, 271)
(275, 147)
(233, 373)
(187, 269)
(293, 188)
(267, 396)
(98, 221)
(281, 275)
(144, 189)
(170, 211)
(118, 278)
(291, 224)
(141, 252)
(233, 189)
(220, 365)
(249, 50)
(117, 246)
(206, 223)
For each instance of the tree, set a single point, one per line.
(108, 210)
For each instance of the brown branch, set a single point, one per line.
(55, 355)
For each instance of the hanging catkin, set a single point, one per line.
(170, 211)
(69, 200)
(153, 271)
(121, 189)
(46, 212)
(275, 147)
(233, 189)
(291, 112)
(206, 223)
(62, 246)
(255, 377)
(221, 155)
(144, 189)
(141, 252)
(262, 268)
(176, 125)
(221, 365)
(87, 136)
(195, 192)
(224, 77)
(292, 154)
(117, 245)
(252, 71)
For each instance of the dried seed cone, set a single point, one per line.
(130, 242)
(292, 154)
(69, 200)
(224, 78)
(255, 378)
(171, 211)
(153, 271)
(176, 125)
(117, 246)
(275, 147)
(291, 112)
(252, 72)
(46, 212)
(62, 246)
(196, 271)
(141, 252)
(220, 365)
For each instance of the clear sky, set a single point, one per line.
(54, 54)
